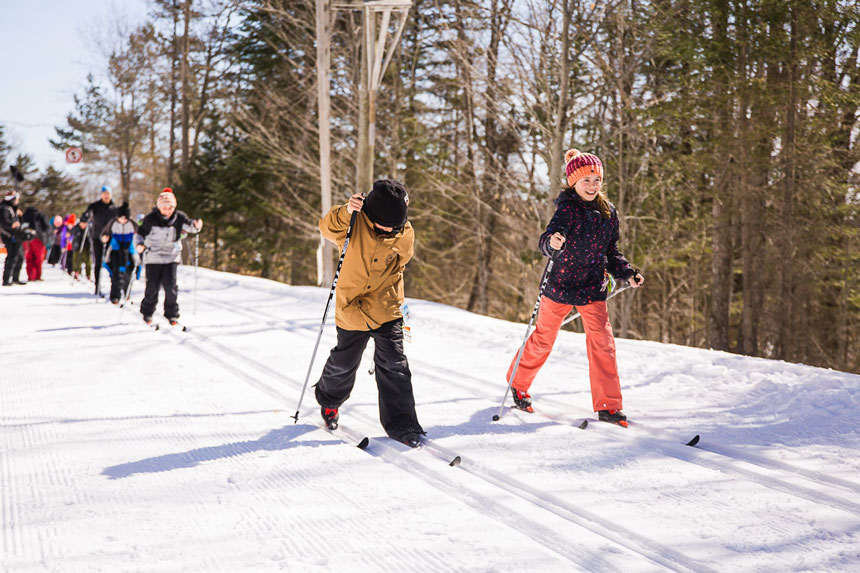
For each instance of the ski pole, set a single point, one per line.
(576, 315)
(325, 313)
(83, 240)
(543, 284)
(196, 254)
(98, 272)
(127, 292)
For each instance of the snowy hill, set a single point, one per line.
(123, 448)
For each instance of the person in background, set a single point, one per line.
(97, 214)
(35, 249)
(121, 258)
(66, 242)
(159, 242)
(10, 223)
(54, 251)
(82, 250)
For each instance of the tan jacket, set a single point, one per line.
(370, 286)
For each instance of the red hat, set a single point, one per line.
(579, 164)
(71, 219)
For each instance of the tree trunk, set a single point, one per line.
(785, 318)
(185, 80)
(556, 158)
(721, 210)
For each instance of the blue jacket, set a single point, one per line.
(590, 249)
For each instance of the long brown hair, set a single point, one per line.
(602, 201)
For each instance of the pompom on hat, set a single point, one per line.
(124, 210)
(578, 165)
(166, 198)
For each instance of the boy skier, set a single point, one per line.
(121, 258)
(369, 297)
(159, 241)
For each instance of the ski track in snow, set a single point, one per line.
(191, 460)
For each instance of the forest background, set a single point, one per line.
(728, 130)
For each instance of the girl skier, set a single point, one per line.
(583, 237)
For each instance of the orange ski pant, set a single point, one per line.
(599, 342)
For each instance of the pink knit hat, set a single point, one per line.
(579, 164)
(166, 198)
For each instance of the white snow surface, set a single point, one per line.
(123, 448)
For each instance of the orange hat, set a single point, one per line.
(578, 165)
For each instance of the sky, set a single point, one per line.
(47, 55)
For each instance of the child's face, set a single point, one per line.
(588, 187)
(122, 220)
(166, 209)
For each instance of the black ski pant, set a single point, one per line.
(14, 260)
(158, 276)
(98, 258)
(393, 378)
(119, 283)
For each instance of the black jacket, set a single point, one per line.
(590, 250)
(38, 221)
(8, 217)
(99, 213)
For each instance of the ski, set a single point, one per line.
(447, 456)
(694, 441)
(180, 326)
(360, 442)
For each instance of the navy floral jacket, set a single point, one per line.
(590, 249)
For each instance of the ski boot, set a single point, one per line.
(411, 439)
(613, 417)
(147, 319)
(522, 400)
(330, 416)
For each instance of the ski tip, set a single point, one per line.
(184, 329)
(455, 462)
(157, 327)
(365, 441)
(694, 441)
(583, 425)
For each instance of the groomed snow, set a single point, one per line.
(128, 449)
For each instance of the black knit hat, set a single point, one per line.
(387, 204)
(124, 210)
